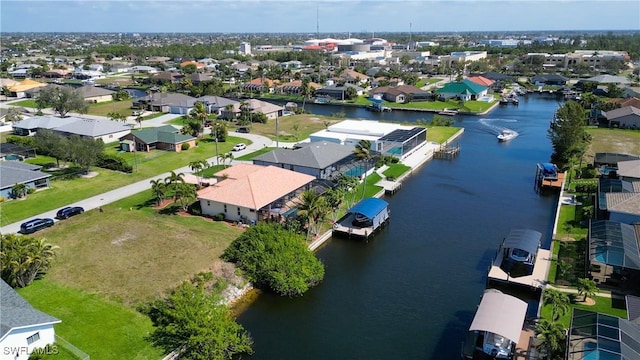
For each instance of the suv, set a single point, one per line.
(34, 225)
(239, 146)
(68, 212)
(243, 129)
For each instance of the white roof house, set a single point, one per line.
(107, 130)
(350, 132)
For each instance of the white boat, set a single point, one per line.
(448, 112)
(506, 135)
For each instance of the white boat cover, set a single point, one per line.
(500, 314)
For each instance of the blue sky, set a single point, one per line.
(300, 16)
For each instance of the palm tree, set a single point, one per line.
(363, 152)
(197, 167)
(312, 209)
(228, 156)
(24, 258)
(139, 119)
(305, 91)
(552, 335)
(587, 288)
(159, 190)
(184, 194)
(19, 190)
(172, 180)
(116, 116)
(199, 112)
(559, 302)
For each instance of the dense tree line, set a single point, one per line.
(82, 151)
(275, 258)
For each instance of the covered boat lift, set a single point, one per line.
(520, 260)
(364, 218)
(496, 327)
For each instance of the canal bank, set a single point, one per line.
(411, 291)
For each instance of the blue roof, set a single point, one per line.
(369, 207)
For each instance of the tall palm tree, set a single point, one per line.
(173, 180)
(159, 190)
(363, 152)
(558, 300)
(552, 337)
(197, 167)
(184, 194)
(313, 209)
(199, 113)
(305, 91)
(587, 288)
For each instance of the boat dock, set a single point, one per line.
(535, 280)
(363, 219)
(447, 152)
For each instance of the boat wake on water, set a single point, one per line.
(501, 132)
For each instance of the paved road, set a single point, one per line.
(258, 142)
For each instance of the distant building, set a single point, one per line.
(244, 48)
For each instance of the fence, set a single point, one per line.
(71, 349)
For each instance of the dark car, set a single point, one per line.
(69, 211)
(243, 129)
(34, 225)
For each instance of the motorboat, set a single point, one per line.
(506, 135)
(448, 112)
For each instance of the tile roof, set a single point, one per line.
(316, 155)
(481, 80)
(254, 186)
(217, 101)
(623, 111)
(630, 168)
(15, 172)
(623, 202)
(396, 90)
(18, 313)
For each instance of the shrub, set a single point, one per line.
(185, 146)
(26, 141)
(219, 217)
(2, 199)
(113, 162)
(30, 190)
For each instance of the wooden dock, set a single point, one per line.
(447, 152)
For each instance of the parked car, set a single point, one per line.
(68, 212)
(34, 225)
(239, 146)
(243, 129)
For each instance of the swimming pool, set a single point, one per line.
(355, 172)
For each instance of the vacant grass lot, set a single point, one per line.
(306, 125)
(103, 329)
(64, 192)
(102, 109)
(131, 253)
(614, 141)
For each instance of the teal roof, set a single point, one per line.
(165, 134)
(462, 87)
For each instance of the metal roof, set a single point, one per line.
(316, 155)
(524, 239)
(402, 135)
(15, 172)
(500, 314)
(614, 243)
(369, 207)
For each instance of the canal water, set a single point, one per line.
(412, 290)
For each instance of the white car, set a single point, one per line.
(239, 146)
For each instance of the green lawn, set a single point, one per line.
(63, 192)
(370, 188)
(395, 170)
(102, 109)
(613, 141)
(555, 248)
(605, 305)
(100, 328)
(255, 153)
(29, 103)
(569, 222)
(208, 172)
(440, 134)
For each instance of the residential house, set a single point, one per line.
(337, 92)
(481, 80)
(106, 130)
(259, 85)
(17, 172)
(20, 90)
(629, 170)
(251, 193)
(56, 73)
(198, 78)
(401, 94)
(172, 103)
(353, 77)
(198, 65)
(95, 94)
(22, 327)
(161, 138)
(322, 159)
(295, 87)
(269, 63)
(627, 117)
(240, 68)
(618, 200)
(293, 64)
(143, 69)
(272, 111)
(549, 79)
(464, 90)
(157, 59)
(216, 104)
(167, 77)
